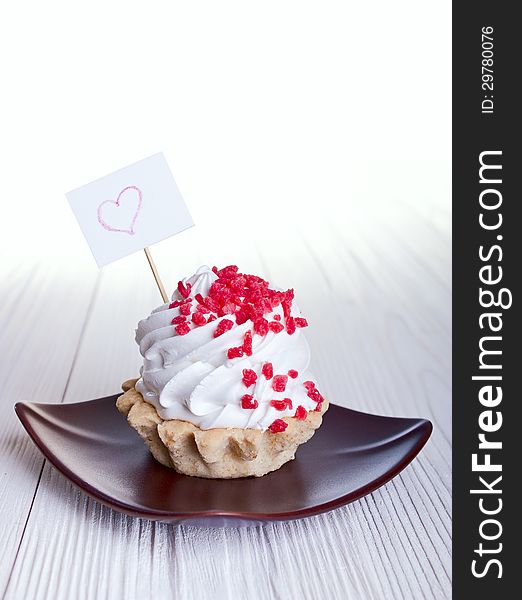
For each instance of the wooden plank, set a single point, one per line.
(42, 318)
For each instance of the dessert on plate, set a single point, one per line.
(225, 390)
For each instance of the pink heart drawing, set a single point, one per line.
(123, 209)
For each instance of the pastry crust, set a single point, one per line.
(214, 453)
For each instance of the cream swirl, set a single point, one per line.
(190, 377)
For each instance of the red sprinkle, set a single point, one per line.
(185, 309)
(198, 318)
(175, 304)
(182, 328)
(286, 303)
(212, 304)
(241, 316)
(292, 373)
(228, 272)
(249, 377)
(184, 290)
(277, 317)
(279, 383)
(309, 385)
(229, 308)
(300, 322)
(211, 318)
(318, 407)
(223, 326)
(300, 413)
(275, 326)
(278, 426)
(235, 352)
(179, 319)
(261, 326)
(290, 325)
(247, 343)
(268, 370)
(248, 402)
(315, 395)
(279, 404)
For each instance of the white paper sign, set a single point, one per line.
(129, 209)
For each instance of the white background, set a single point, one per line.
(264, 110)
(311, 143)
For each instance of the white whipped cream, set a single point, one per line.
(190, 377)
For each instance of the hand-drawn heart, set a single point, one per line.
(122, 212)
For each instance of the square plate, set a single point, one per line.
(350, 455)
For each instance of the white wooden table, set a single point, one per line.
(376, 289)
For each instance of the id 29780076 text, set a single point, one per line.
(487, 71)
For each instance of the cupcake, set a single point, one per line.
(225, 390)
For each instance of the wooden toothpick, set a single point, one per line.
(156, 275)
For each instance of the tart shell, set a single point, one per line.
(214, 453)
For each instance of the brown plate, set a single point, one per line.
(352, 454)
